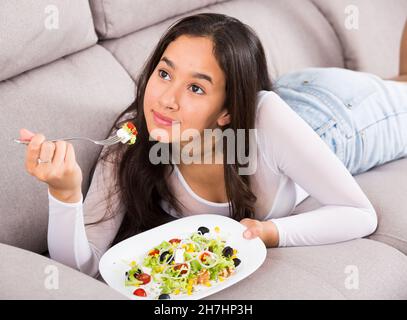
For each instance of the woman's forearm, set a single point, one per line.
(326, 225)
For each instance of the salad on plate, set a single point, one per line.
(183, 266)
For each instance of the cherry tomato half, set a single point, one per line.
(143, 277)
(204, 255)
(172, 241)
(154, 252)
(179, 266)
(140, 292)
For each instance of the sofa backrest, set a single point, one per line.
(291, 42)
(369, 32)
(40, 31)
(116, 18)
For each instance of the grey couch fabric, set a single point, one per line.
(39, 31)
(379, 24)
(27, 275)
(326, 272)
(114, 18)
(79, 77)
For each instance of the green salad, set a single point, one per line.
(178, 266)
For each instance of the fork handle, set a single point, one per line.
(55, 140)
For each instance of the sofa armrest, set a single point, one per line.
(27, 275)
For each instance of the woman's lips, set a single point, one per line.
(162, 120)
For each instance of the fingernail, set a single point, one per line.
(26, 130)
(26, 134)
(247, 234)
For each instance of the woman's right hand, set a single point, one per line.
(62, 174)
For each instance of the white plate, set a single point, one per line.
(115, 262)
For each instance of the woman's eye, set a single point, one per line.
(195, 89)
(162, 73)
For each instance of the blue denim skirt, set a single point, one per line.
(361, 117)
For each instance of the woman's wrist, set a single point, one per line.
(270, 234)
(67, 196)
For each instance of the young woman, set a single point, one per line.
(209, 71)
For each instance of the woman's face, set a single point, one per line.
(186, 90)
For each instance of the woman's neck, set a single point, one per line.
(206, 180)
(202, 173)
(206, 176)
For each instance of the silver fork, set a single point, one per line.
(106, 142)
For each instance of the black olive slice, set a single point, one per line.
(164, 255)
(227, 252)
(203, 230)
(236, 261)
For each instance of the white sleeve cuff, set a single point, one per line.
(282, 237)
(54, 200)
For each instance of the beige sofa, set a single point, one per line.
(69, 68)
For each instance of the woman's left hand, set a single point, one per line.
(265, 230)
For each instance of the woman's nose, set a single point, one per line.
(169, 100)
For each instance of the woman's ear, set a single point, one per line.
(224, 118)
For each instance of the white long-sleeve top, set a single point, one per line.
(293, 162)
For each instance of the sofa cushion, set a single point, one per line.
(115, 18)
(386, 188)
(357, 269)
(375, 45)
(78, 95)
(46, 279)
(28, 38)
(290, 41)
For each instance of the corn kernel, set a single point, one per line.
(189, 290)
(176, 291)
(217, 229)
(221, 279)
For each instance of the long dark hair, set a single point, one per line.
(142, 185)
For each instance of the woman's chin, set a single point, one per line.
(163, 134)
(160, 135)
